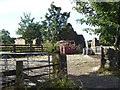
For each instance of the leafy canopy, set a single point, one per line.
(5, 36)
(54, 22)
(67, 33)
(105, 16)
(28, 28)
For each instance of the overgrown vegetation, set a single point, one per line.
(62, 83)
(50, 84)
(115, 71)
(78, 48)
(51, 47)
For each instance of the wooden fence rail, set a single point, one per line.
(59, 65)
(13, 72)
(22, 48)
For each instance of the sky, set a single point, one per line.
(12, 10)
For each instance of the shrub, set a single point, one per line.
(50, 47)
(59, 84)
(78, 48)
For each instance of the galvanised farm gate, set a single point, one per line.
(30, 68)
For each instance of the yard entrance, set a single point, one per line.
(82, 70)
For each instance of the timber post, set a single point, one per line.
(14, 48)
(59, 70)
(19, 75)
(63, 65)
(42, 48)
(102, 58)
(55, 59)
(30, 47)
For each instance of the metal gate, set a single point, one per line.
(35, 64)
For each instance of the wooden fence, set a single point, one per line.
(110, 54)
(59, 66)
(97, 49)
(21, 48)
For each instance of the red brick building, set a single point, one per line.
(67, 46)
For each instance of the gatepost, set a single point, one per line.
(61, 69)
(19, 75)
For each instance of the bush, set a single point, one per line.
(78, 48)
(63, 83)
(59, 84)
(50, 47)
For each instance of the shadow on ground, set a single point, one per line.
(93, 81)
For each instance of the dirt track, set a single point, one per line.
(81, 70)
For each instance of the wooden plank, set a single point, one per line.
(8, 82)
(27, 53)
(41, 75)
(21, 48)
(13, 72)
(39, 67)
(8, 73)
(34, 80)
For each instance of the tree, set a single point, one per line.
(5, 36)
(105, 16)
(29, 29)
(67, 33)
(54, 21)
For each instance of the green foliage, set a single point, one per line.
(51, 47)
(106, 71)
(63, 83)
(78, 48)
(29, 29)
(105, 16)
(5, 36)
(54, 21)
(67, 33)
(12, 41)
(51, 84)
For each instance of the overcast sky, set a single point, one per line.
(11, 10)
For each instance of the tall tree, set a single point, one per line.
(5, 36)
(105, 16)
(67, 33)
(54, 21)
(29, 29)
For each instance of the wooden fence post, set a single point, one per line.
(55, 59)
(30, 47)
(19, 74)
(61, 69)
(63, 65)
(102, 58)
(14, 48)
(42, 48)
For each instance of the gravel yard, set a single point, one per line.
(81, 70)
(81, 64)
